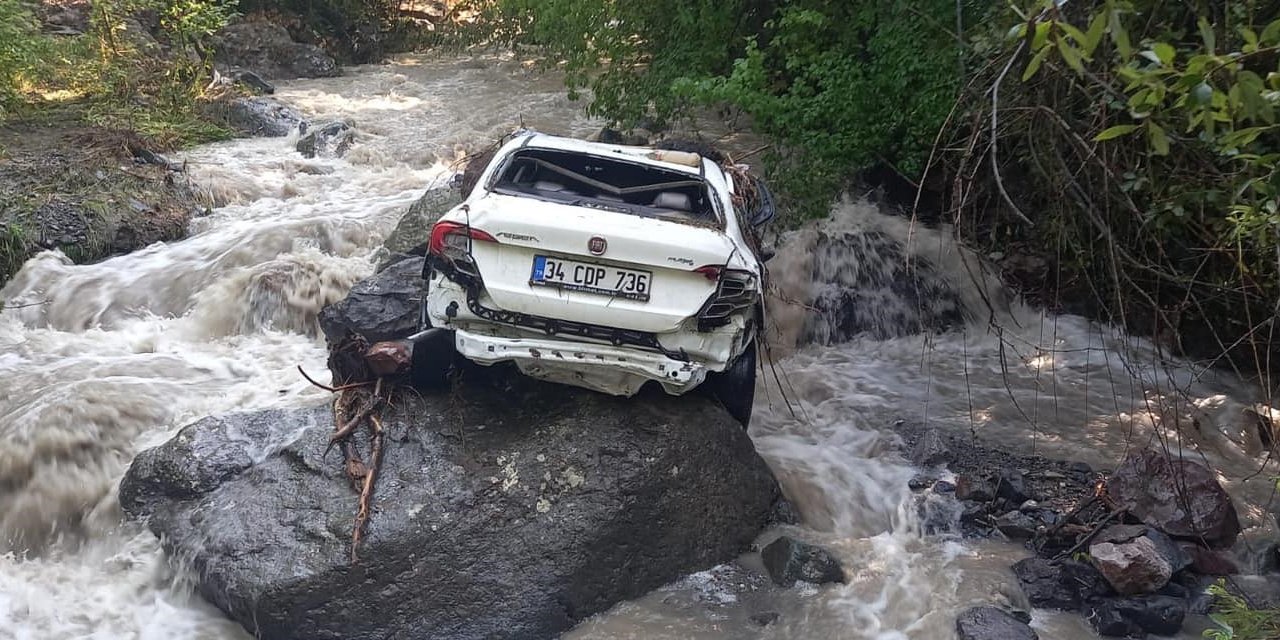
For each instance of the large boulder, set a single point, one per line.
(992, 623)
(506, 508)
(1178, 496)
(386, 306)
(269, 50)
(260, 116)
(414, 228)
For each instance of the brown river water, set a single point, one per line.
(124, 352)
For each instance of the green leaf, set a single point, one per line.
(1115, 132)
(1250, 39)
(1119, 36)
(1072, 32)
(1271, 34)
(1206, 34)
(1070, 55)
(1164, 52)
(1041, 35)
(1158, 139)
(1034, 65)
(1097, 28)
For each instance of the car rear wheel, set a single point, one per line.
(735, 387)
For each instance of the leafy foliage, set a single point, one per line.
(839, 85)
(1236, 620)
(122, 74)
(20, 47)
(1140, 147)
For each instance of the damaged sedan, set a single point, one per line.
(605, 267)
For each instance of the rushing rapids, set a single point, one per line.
(100, 361)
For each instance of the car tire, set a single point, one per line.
(735, 387)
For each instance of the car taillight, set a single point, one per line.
(453, 240)
(710, 272)
(735, 292)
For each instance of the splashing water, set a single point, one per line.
(122, 353)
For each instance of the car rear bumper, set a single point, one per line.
(604, 368)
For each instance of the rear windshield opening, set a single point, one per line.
(603, 183)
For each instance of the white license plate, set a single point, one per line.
(631, 284)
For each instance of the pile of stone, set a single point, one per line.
(1133, 551)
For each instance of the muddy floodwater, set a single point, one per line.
(118, 355)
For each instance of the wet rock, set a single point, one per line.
(206, 454)
(505, 509)
(414, 229)
(1010, 485)
(938, 513)
(386, 306)
(764, 618)
(1179, 497)
(269, 50)
(975, 488)
(261, 116)
(920, 483)
(329, 140)
(942, 486)
(255, 82)
(1208, 562)
(1062, 585)
(1136, 617)
(789, 560)
(1132, 567)
(1017, 525)
(992, 623)
(931, 450)
(784, 512)
(889, 295)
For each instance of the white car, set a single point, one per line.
(603, 266)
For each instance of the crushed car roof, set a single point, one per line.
(640, 154)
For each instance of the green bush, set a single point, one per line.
(839, 86)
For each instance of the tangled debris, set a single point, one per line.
(365, 377)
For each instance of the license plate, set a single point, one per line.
(572, 275)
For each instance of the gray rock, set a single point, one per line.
(991, 623)
(1065, 585)
(254, 81)
(414, 229)
(206, 454)
(1136, 617)
(384, 307)
(262, 116)
(889, 295)
(1172, 552)
(269, 50)
(329, 140)
(1132, 567)
(507, 509)
(930, 450)
(1177, 496)
(789, 560)
(1010, 485)
(1017, 525)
